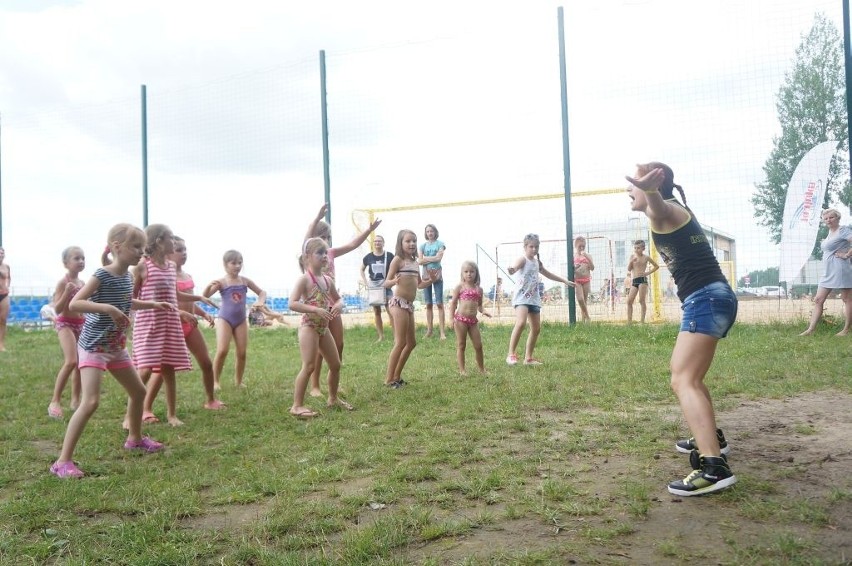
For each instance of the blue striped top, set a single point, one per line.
(100, 332)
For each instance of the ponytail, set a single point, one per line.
(680, 190)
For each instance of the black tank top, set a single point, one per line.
(688, 256)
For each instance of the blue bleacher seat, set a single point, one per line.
(26, 310)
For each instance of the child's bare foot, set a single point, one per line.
(240, 384)
(217, 387)
(807, 332)
(125, 425)
(303, 413)
(428, 334)
(340, 403)
(316, 393)
(463, 373)
(842, 333)
(443, 336)
(174, 421)
(215, 405)
(483, 371)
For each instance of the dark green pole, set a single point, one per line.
(566, 167)
(847, 57)
(324, 104)
(1, 192)
(144, 157)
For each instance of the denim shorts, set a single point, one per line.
(438, 298)
(531, 309)
(710, 310)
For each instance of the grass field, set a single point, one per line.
(563, 463)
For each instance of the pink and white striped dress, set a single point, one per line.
(157, 335)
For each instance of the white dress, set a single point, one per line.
(838, 271)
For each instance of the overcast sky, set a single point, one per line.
(427, 103)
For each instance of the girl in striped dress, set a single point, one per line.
(106, 299)
(158, 343)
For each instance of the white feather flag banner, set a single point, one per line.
(803, 208)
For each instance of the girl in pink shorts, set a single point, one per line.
(106, 298)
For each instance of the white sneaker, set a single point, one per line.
(511, 359)
(532, 362)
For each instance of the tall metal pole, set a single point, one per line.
(1, 191)
(144, 157)
(324, 108)
(847, 57)
(566, 166)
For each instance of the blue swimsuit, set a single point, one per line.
(233, 307)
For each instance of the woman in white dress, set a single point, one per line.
(836, 251)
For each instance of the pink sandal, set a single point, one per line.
(66, 470)
(54, 411)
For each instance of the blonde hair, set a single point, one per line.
(322, 230)
(66, 253)
(155, 233)
(119, 234)
(468, 264)
(833, 211)
(311, 245)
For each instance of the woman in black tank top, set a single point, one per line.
(709, 311)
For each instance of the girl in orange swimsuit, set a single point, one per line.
(315, 296)
(68, 326)
(404, 276)
(464, 306)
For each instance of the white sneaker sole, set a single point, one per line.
(719, 485)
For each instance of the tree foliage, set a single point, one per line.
(811, 108)
(760, 277)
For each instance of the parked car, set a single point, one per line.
(771, 291)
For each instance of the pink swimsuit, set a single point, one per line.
(184, 286)
(468, 294)
(578, 261)
(75, 324)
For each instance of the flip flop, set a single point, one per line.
(305, 414)
(149, 418)
(342, 405)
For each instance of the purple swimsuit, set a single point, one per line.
(233, 307)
